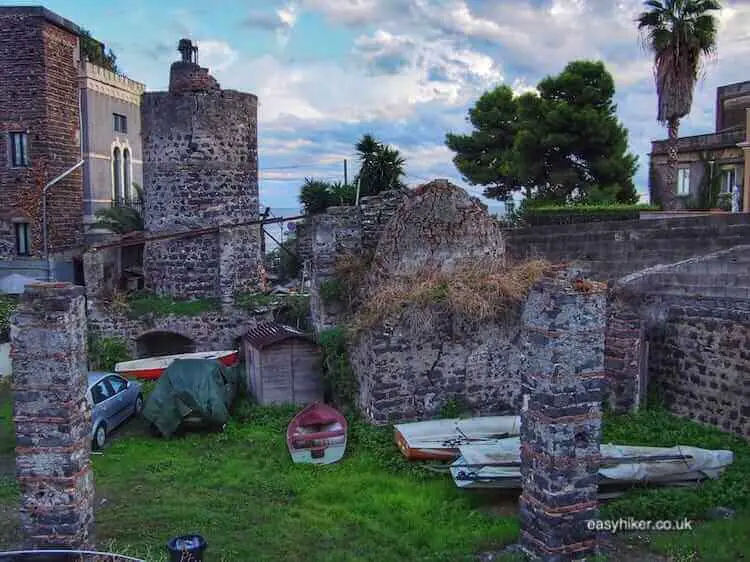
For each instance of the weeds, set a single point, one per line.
(105, 353)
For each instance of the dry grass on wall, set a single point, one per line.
(476, 291)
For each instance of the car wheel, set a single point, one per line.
(138, 404)
(100, 436)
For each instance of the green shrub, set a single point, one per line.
(254, 301)
(140, 304)
(339, 380)
(294, 311)
(538, 214)
(332, 290)
(8, 304)
(105, 353)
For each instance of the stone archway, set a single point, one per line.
(163, 342)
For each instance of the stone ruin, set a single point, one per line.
(438, 314)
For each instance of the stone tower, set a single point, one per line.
(200, 169)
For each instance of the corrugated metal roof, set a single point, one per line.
(269, 333)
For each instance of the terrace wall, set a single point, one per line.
(611, 250)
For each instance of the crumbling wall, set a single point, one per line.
(52, 417)
(200, 154)
(406, 378)
(680, 334)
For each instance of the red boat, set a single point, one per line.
(317, 435)
(152, 367)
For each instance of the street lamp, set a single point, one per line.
(44, 214)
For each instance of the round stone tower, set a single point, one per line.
(200, 170)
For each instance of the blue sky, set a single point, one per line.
(327, 71)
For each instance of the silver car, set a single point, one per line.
(113, 400)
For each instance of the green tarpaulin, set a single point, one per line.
(194, 388)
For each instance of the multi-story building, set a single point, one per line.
(111, 117)
(723, 155)
(57, 109)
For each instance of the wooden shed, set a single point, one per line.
(283, 365)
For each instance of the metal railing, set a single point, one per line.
(135, 204)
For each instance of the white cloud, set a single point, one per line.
(216, 55)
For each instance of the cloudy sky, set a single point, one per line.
(327, 71)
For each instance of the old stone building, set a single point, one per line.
(200, 155)
(57, 109)
(724, 153)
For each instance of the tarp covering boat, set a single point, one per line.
(440, 439)
(199, 390)
(481, 466)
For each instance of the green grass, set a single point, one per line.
(715, 541)
(7, 430)
(140, 304)
(241, 491)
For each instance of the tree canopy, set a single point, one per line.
(381, 166)
(561, 144)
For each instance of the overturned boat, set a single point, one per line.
(441, 439)
(152, 368)
(498, 465)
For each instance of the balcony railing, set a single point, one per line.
(135, 204)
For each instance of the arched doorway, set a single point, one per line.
(159, 343)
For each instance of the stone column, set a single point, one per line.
(624, 340)
(52, 417)
(563, 325)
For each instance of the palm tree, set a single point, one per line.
(381, 167)
(678, 33)
(123, 219)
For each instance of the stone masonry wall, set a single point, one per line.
(210, 331)
(614, 249)
(39, 96)
(699, 364)
(402, 377)
(201, 170)
(561, 426)
(376, 211)
(52, 417)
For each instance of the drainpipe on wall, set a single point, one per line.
(44, 215)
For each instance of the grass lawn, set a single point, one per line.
(240, 490)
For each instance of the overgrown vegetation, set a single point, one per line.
(475, 290)
(122, 219)
(292, 309)
(96, 53)
(8, 304)
(339, 379)
(332, 290)
(140, 304)
(371, 507)
(105, 353)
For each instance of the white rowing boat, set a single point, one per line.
(152, 368)
(497, 465)
(441, 439)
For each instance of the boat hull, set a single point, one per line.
(317, 435)
(442, 439)
(152, 368)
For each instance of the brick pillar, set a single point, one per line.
(563, 327)
(624, 341)
(52, 416)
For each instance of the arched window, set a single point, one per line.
(128, 185)
(117, 175)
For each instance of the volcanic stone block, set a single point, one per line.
(563, 335)
(52, 416)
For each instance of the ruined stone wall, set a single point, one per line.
(201, 170)
(376, 212)
(210, 331)
(336, 233)
(617, 248)
(406, 378)
(699, 365)
(52, 417)
(679, 331)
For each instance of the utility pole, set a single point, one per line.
(346, 175)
